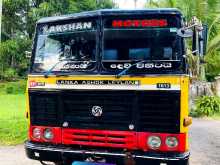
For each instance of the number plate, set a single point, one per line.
(164, 85)
(90, 163)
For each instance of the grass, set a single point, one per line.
(16, 87)
(13, 124)
(215, 116)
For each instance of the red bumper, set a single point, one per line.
(113, 139)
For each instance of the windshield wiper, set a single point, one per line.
(127, 69)
(49, 71)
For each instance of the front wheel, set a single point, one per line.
(188, 162)
(185, 163)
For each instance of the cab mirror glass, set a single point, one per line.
(185, 32)
(204, 38)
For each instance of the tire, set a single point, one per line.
(188, 162)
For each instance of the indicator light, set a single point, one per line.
(36, 133)
(171, 142)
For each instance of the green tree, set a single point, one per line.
(19, 19)
(13, 18)
(12, 56)
(60, 7)
(20, 16)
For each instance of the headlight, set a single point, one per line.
(36, 133)
(48, 134)
(171, 142)
(154, 142)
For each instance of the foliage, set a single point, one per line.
(13, 18)
(9, 90)
(10, 74)
(207, 105)
(12, 57)
(213, 65)
(192, 61)
(20, 16)
(18, 26)
(39, 9)
(17, 87)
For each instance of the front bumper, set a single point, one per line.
(66, 154)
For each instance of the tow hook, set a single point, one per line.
(129, 160)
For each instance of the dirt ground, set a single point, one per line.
(204, 143)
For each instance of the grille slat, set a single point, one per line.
(149, 111)
(44, 109)
(100, 138)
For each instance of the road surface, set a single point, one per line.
(204, 143)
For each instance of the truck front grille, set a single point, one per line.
(147, 111)
(116, 139)
(44, 109)
(159, 111)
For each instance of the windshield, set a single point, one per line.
(161, 46)
(155, 44)
(144, 45)
(62, 49)
(148, 45)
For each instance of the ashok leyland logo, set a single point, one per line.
(97, 111)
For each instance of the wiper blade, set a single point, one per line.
(49, 71)
(127, 69)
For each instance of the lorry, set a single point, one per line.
(111, 87)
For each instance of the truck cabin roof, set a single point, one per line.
(110, 12)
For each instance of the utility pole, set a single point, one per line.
(0, 20)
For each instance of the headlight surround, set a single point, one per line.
(48, 134)
(172, 142)
(154, 142)
(36, 133)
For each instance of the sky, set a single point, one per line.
(129, 4)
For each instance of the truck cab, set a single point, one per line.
(109, 86)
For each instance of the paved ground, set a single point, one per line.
(205, 142)
(204, 139)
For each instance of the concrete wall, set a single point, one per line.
(198, 88)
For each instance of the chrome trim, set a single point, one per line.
(69, 150)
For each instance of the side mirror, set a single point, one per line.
(185, 32)
(203, 40)
(199, 40)
(195, 42)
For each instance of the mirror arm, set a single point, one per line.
(189, 27)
